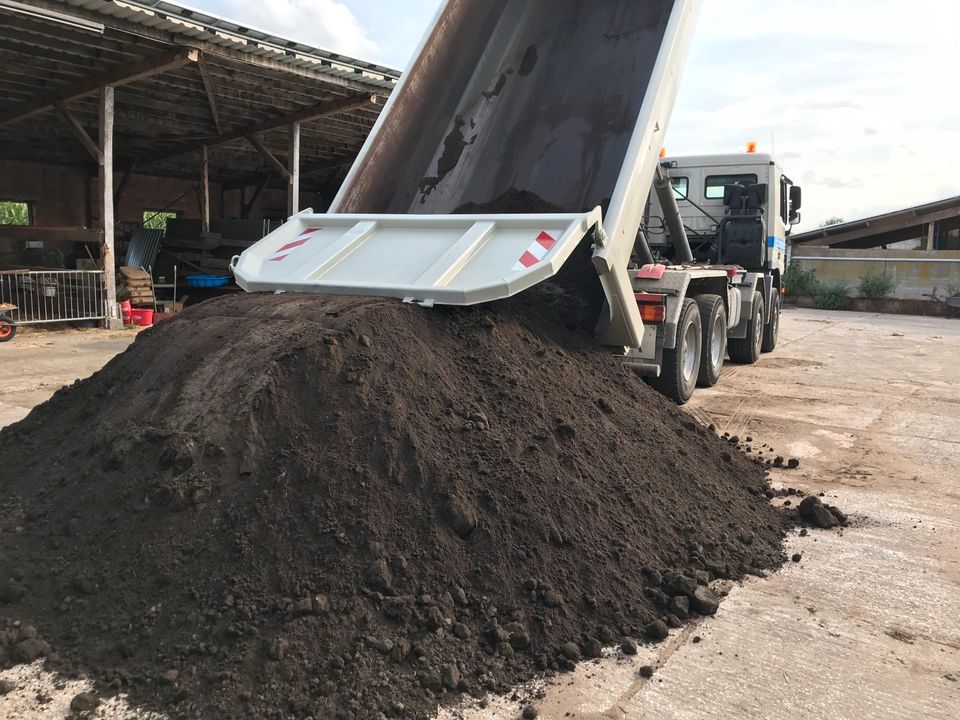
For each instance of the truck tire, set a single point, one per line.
(7, 329)
(713, 317)
(681, 366)
(771, 333)
(747, 351)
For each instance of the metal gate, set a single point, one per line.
(52, 296)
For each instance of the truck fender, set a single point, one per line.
(746, 290)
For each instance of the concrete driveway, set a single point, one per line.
(866, 626)
(36, 363)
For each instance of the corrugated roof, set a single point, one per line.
(883, 229)
(199, 25)
(243, 76)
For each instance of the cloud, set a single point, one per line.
(837, 183)
(328, 24)
(833, 89)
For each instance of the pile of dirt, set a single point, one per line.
(575, 294)
(291, 506)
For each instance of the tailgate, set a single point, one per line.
(431, 259)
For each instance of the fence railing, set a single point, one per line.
(51, 296)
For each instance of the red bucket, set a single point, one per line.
(141, 317)
(126, 312)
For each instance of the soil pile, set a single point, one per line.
(291, 506)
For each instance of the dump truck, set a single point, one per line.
(564, 101)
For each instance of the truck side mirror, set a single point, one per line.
(796, 198)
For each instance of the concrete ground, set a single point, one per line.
(36, 363)
(866, 626)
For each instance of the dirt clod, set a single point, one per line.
(813, 510)
(657, 630)
(84, 702)
(705, 601)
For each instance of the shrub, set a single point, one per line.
(831, 295)
(799, 281)
(876, 285)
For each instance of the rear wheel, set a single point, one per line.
(747, 350)
(7, 329)
(772, 332)
(713, 316)
(681, 366)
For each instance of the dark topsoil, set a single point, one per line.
(290, 506)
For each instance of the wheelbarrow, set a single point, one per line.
(7, 327)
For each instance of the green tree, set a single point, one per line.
(157, 220)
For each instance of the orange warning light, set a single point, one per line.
(751, 147)
(663, 153)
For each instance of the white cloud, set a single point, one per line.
(328, 24)
(854, 96)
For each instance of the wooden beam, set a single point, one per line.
(105, 196)
(131, 73)
(293, 162)
(248, 206)
(209, 89)
(328, 165)
(205, 190)
(314, 112)
(78, 130)
(268, 156)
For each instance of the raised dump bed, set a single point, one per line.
(566, 101)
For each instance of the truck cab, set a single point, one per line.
(709, 262)
(737, 209)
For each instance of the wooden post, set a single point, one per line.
(205, 190)
(931, 236)
(105, 197)
(293, 165)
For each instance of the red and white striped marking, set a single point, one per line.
(536, 252)
(291, 247)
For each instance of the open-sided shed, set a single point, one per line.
(115, 108)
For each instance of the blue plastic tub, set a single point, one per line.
(208, 281)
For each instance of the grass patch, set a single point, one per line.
(831, 295)
(876, 286)
(800, 281)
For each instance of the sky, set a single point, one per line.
(858, 100)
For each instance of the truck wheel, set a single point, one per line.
(747, 350)
(7, 329)
(681, 366)
(713, 316)
(772, 332)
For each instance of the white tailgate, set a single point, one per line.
(442, 259)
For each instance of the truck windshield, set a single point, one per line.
(716, 183)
